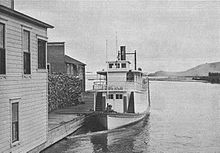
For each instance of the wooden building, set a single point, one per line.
(214, 77)
(58, 62)
(23, 80)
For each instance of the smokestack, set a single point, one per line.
(123, 53)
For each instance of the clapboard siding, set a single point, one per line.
(6, 118)
(17, 92)
(5, 135)
(3, 107)
(20, 82)
(13, 41)
(14, 52)
(6, 3)
(31, 89)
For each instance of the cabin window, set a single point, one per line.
(110, 96)
(2, 49)
(110, 65)
(117, 65)
(118, 96)
(26, 50)
(123, 65)
(41, 54)
(15, 122)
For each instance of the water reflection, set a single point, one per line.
(100, 142)
(112, 141)
(134, 138)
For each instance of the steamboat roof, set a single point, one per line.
(119, 61)
(104, 72)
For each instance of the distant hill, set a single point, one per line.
(200, 70)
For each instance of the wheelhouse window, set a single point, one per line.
(41, 54)
(15, 122)
(26, 51)
(2, 49)
(118, 96)
(110, 65)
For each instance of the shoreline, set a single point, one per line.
(178, 80)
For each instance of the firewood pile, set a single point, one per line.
(63, 91)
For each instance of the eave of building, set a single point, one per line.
(71, 60)
(8, 11)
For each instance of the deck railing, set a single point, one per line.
(118, 85)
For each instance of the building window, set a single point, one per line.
(26, 50)
(2, 49)
(71, 69)
(15, 122)
(110, 96)
(68, 68)
(118, 96)
(123, 65)
(41, 54)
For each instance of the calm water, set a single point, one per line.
(185, 118)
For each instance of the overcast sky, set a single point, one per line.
(167, 34)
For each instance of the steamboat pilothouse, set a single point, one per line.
(121, 97)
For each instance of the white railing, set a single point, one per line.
(119, 85)
(99, 85)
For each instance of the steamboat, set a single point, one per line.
(121, 95)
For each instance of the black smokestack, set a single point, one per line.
(123, 53)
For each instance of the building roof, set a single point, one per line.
(71, 60)
(8, 11)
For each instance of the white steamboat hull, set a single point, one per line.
(117, 121)
(113, 121)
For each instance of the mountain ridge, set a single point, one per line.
(200, 70)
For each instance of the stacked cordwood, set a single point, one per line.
(63, 91)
